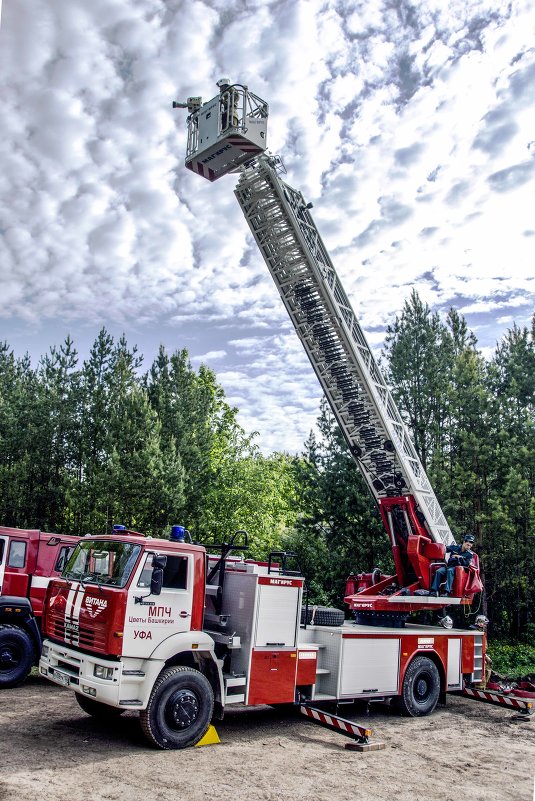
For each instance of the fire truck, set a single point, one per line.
(28, 560)
(166, 628)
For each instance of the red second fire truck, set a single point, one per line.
(162, 627)
(28, 560)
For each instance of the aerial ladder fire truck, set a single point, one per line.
(29, 559)
(165, 628)
(282, 226)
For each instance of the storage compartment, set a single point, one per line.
(272, 679)
(278, 607)
(307, 662)
(369, 666)
(454, 664)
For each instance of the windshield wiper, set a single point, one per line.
(91, 577)
(72, 575)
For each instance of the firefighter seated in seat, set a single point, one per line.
(461, 555)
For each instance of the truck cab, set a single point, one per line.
(126, 609)
(29, 558)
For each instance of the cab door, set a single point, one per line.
(3, 556)
(151, 619)
(16, 579)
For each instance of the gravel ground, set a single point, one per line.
(467, 750)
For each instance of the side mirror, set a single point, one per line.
(156, 581)
(159, 560)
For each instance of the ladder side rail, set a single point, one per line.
(334, 341)
(292, 279)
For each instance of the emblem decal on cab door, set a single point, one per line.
(95, 606)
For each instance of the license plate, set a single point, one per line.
(61, 678)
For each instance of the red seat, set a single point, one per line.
(467, 581)
(422, 553)
(434, 551)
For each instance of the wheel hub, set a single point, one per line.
(181, 709)
(7, 658)
(421, 688)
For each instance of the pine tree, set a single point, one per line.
(338, 530)
(418, 370)
(56, 423)
(512, 381)
(17, 401)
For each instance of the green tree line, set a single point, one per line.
(84, 445)
(473, 423)
(87, 445)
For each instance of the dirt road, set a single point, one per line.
(51, 751)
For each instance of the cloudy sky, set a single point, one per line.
(409, 125)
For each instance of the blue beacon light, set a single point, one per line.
(177, 533)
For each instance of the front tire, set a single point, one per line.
(17, 655)
(421, 688)
(179, 710)
(96, 709)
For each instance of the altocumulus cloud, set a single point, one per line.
(407, 125)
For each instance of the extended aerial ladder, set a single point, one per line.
(228, 134)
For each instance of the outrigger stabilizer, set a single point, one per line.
(523, 707)
(358, 734)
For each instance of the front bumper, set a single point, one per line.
(128, 686)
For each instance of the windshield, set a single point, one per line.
(102, 562)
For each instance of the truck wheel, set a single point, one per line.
(17, 655)
(421, 688)
(179, 710)
(322, 616)
(97, 709)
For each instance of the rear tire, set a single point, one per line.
(180, 708)
(97, 709)
(421, 688)
(17, 655)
